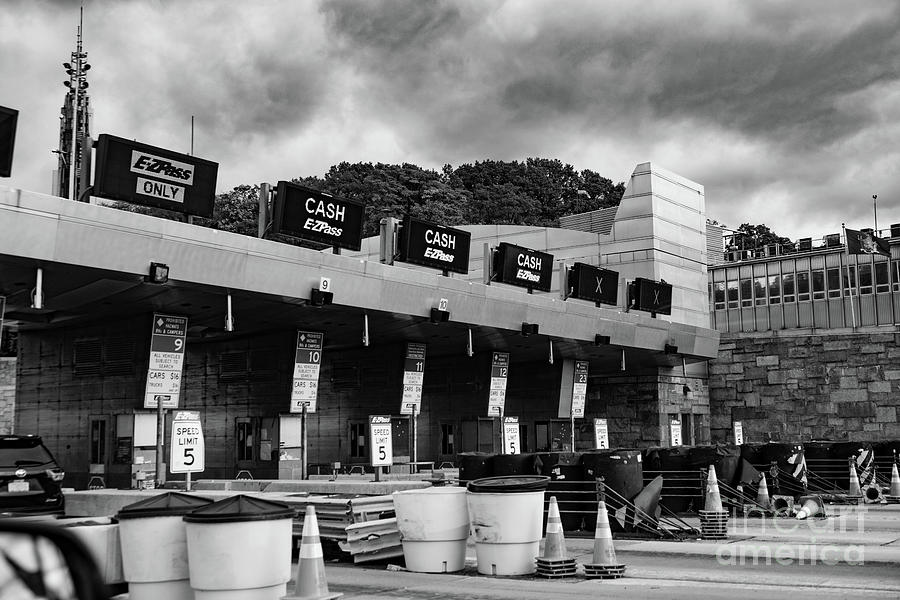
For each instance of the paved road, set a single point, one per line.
(688, 578)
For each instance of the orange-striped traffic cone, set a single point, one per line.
(554, 563)
(310, 583)
(713, 498)
(854, 491)
(894, 496)
(714, 519)
(762, 494)
(605, 565)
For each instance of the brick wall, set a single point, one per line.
(798, 388)
(7, 394)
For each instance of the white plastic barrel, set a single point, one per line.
(434, 528)
(506, 516)
(240, 549)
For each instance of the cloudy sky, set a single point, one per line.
(788, 112)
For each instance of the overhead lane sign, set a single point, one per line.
(312, 215)
(435, 246)
(523, 267)
(167, 342)
(142, 174)
(587, 282)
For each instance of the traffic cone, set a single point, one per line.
(714, 519)
(554, 562)
(310, 583)
(811, 506)
(894, 496)
(854, 492)
(713, 498)
(605, 565)
(762, 494)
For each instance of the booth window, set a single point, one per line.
(358, 446)
(244, 427)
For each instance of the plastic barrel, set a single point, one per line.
(726, 458)
(681, 484)
(474, 465)
(514, 464)
(506, 516)
(623, 475)
(567, 484)
(434, 528)
(240, 547)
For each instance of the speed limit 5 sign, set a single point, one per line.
(380, 435)
(187, 452)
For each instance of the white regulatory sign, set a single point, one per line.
(511, 435)
(738, 433)
(675, 430)
(187, 453)
(601, 434)
(382, 447)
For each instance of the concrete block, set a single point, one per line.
(767, 361)
(880, 386)
(856, 409)
(886, 414)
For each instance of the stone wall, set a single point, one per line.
(796, 388)
(7, 394)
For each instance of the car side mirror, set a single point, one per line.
(39, 559)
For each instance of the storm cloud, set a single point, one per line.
(787, 113)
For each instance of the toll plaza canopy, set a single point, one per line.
(94, 262)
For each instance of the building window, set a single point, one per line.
(542, 435)
(834, 282)
(865, 279)
(358, 447)
(818, 281)
(788, 287)
(849, 276)
(882, 283)
(802, 286)
(447, 441)
(774, 289)
(732, 296)
(759, 290)
(896, 270)
(719, 295)
(746, 292)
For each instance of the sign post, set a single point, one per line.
(511, 435)
(305, 386)
(382, 446)
(413, 379)
(601, 434)
(738, 433)
(167, 340)
(187, 453)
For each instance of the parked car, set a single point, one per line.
(30, 478)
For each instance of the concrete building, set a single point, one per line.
(84, 348)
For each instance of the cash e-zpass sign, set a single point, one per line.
(579, 388)
(499, 374)
(187, 453)
(150, 176)
(523, 267)
(413, 377)
(307, 362)
(167, 342)
(436, 246)
(312, 215)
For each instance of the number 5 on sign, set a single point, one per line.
(380, 435)
(187, 452)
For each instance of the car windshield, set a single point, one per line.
(17, 454)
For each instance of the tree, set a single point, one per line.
(749, 237)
